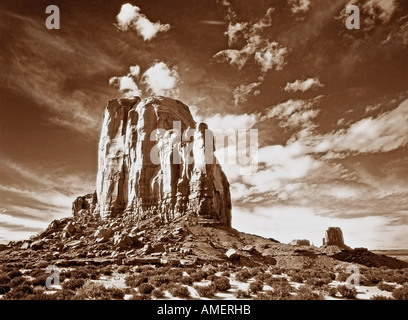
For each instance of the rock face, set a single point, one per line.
(334, 237)
(154, 159)
(300, 242)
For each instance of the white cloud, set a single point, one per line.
(127, 86)
(161, 80)
(387, 132)
(231, 121)
(268, 54)
(299, 6)
(234, 30)
(241, 93)
(303, 86)
(294, 113)
(380, 9)
(131, 17)
(271, 56)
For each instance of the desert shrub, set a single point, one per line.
(83, 273)
(207, 291)
(136, 280)
(222, 283)
(95, 291)
(141, 297)
(332, 291)
(306, 293)
(73, 284)
(241, 294)
(40, 280)
(179, 291)
(4, 279)
(256, 286)
(316, 282)
(14, 274)
(18, 281)
(226, 274)
(116, 293)
(210, 271)
(159, 280)
(186, 280)
(263, 277)
(123, 269)
(157, 293)
(272, 280)
(272, 295)
(342, 276)
(276, 270)
(385, 286)
(297, 278)
(281, 290)
(175, 273)
(380, 297)
(373, 277)
(21, 292)
(198, 276)
(145, 288)
(243, 275)
(256, 271)
(397, 278)
(40, 295)
(62, 295)
(4, 288)
(89, 290)
(212, 278)
(106, 271)
(65, 275)
(401, 293)
(346, 292)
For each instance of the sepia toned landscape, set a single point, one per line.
(190, 150)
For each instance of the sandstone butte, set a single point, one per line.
(183, 177)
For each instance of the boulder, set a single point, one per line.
(123, 241)
(37, 245)
(158, 248)
(147, 249)
(69, 229)
(232, 254)
(248, 248)
(103, 234)
(25, 245)
(3, 247)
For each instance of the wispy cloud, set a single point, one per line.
(386, 132)
(45, 80)
(242, 92)
(268, 54)
(299, 6)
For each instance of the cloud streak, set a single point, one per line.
(303, 85)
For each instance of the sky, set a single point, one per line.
(330, 105)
